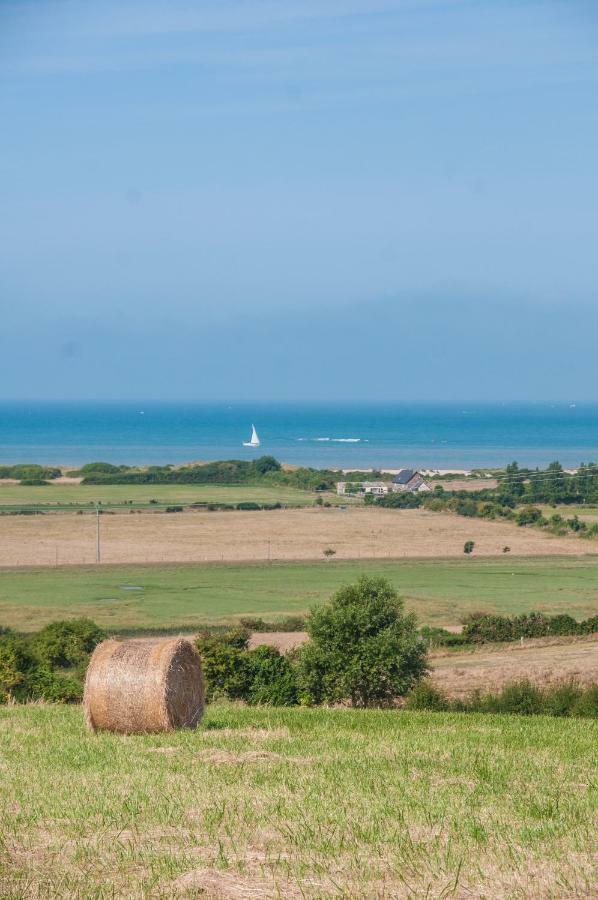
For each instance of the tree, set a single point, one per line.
(264, 464)
(363, 647)
(468, 547)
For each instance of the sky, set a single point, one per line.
(299, 200)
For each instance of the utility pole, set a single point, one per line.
(98, 555)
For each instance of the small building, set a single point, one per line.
(359, 488)
(375, 487)
(409, 480)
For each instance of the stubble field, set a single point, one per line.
(292, 534)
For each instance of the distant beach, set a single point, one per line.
(446, 437)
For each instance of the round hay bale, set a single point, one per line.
(147, 685)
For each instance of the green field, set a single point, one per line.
(187, 596)
(570, 510)
(298, 803)
(17, 495)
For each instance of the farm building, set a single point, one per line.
(409, 480)
(362, 487)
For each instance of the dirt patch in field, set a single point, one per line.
(259, 536)
(228, 757)
(219, 885)
(282, 640)
(542, 661)
(465, 484)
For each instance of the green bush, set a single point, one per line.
(272, 678)
(67, 643)
(425, 696)
(257, 676)
(363, 647)
(17, 664)
(224, 664)
(481, 627)
(561, 700)
(521, 697)
(586, 705)
(518, 698)
(32, 668)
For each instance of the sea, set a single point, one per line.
(458, 436)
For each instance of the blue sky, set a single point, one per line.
(299, 200)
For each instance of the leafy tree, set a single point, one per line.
(363, 647)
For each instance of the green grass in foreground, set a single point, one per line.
(185, 596)
(298, 803)
(16, 495)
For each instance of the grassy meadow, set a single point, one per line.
(186, 596)
(139, 495)
(298, 803)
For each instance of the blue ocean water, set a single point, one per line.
(362, 435)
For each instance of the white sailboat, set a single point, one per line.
(255, 441)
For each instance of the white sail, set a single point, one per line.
(255, 441)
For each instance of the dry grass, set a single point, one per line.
(283, 534)
(542, 661)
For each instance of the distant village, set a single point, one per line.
(405, 480)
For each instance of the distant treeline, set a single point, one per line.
(264, 470)
(482, 628)
(30, 473)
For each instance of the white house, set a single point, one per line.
(362, 487)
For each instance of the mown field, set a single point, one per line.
(584, 511)
(300, 804)
(187, 596)
(61, 494)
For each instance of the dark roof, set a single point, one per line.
(404, 476)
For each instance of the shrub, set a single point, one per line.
(560, 701)
(265, 464)
(290, 623)
(425, 696)
(224, 664)
(479, 627)
(440, 637)
(17, 663)
(328, 552)
(363, 647)
(272, 678)
(529, 515)
(520, 697)
(67, 644)
(255, 623)
(468, 547)
(586, 705)
(248, 505)
(98, 468)
(589, 626)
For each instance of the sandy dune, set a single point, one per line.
(252, 536)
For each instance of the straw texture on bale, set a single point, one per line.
(147, 685)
